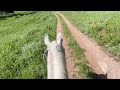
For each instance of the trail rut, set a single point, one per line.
(72, 71)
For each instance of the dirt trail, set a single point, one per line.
(72, 71)
(98, 60)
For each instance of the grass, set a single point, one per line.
(78, 54)
(103, 26)
(22, 46)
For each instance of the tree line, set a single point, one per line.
(6, 12)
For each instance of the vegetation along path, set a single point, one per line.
(98, 60)
(68, 54)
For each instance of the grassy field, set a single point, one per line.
(103, 26)
(78, 53)
(22, 46)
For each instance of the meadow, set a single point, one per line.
(22, 46)
(22, 35)
(102, 26)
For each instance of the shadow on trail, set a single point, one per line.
(98, 76)
(3, 17)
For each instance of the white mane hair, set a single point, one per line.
(56, 64)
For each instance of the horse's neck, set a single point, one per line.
(59, 63)
(56, 65)
(50, 65)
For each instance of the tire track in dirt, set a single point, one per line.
(98, 60)
(72, 71)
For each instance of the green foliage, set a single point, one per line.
(22, 46)
(103, 26)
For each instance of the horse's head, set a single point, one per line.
(54, 46)
(56, 57)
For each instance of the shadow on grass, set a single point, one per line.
(98, 76)
(3, 17)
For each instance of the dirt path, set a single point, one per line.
(98, 60)
(72, 71)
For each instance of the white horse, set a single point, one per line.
(56, 64)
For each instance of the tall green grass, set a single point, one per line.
(103, 26)
(22, 46)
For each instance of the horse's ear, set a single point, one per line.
(59, 38)
(46, 39)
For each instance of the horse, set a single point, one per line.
(56, 64)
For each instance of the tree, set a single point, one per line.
(6, 12)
